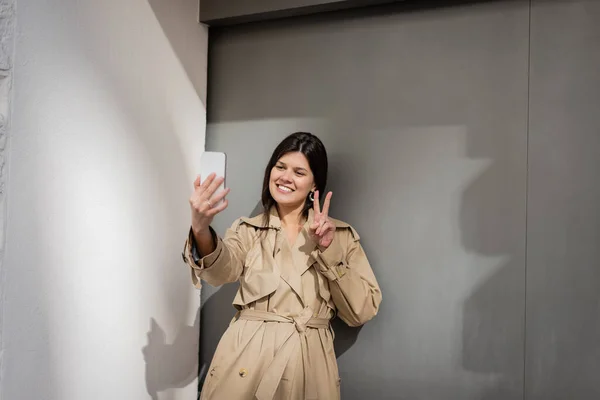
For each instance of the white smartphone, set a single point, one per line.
(214, 162)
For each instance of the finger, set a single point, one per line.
(197, 182)
(326, 203)
(313, 227)
(219, 196)
(316, 204)
(322, 229)
(215, 210)
(209, 179)
(200, 205)
(214, 185)
(326, 228)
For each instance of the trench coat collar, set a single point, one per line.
(274, 220)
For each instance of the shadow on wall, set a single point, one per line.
(170, 365)
(448, 128)
(141, 99)
(179, 21)
(492, 224)
(184, 39)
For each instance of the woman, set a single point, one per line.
(297, 269)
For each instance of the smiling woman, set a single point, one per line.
(297, 268)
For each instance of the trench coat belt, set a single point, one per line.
(272, 376)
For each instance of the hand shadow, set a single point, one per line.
(174, 365)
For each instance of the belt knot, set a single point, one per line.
(302, 319)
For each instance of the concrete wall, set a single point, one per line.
(108, 124)
(465, 149)
(563, 269)
(424, 115)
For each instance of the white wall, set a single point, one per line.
(108, 123)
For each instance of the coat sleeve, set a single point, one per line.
(226, 263)
(352, 283)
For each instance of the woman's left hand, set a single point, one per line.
(322, 229)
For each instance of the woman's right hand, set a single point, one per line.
(203, 204)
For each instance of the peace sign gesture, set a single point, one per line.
(322, 229)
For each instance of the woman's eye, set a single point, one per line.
(300, 173)
(279, 167)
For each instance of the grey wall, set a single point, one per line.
(563, 269)
(426, 118)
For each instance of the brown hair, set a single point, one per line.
(314, 151)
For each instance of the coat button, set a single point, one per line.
(243, 372)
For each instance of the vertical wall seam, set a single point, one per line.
(527, 201)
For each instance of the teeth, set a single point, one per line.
(285, 189)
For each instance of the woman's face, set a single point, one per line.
(291, 180)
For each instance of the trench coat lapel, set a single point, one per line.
(306, 245)
(286, 263)
(282, 252)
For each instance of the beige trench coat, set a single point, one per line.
(280, 344)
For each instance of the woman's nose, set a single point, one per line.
(286, 176)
